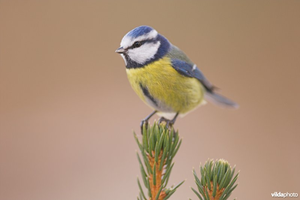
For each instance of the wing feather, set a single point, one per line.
(182, 64)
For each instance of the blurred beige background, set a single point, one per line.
(67, 110)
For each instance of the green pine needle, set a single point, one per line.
(216, 180)
(141, 190)
(158, 147)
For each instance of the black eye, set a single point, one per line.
(137, 44)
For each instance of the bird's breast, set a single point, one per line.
(163, 88)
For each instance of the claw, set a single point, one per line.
(144, 122)
(162, 119)
(169, 123)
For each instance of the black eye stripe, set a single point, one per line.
(137, 44)
(134, 45)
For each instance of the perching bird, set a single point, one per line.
(164, 77)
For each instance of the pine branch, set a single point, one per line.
(158, 147)
(217, 180)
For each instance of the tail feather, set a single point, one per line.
(220, 100)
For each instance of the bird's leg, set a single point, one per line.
(172, 122)
(145, 121)
(169, 122)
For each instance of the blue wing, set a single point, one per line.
(191, 70)
(182, 64)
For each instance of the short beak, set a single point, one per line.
(120, 50)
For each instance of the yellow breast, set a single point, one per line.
(172, 91)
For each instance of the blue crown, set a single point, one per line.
(138, 31)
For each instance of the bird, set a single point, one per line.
(164, 77)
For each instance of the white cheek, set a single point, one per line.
(144, 53)
(124, 59)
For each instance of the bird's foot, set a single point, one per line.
(144, 122)
(169, 123)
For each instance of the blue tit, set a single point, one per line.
(164, 77)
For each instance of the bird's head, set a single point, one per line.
(141, 46)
